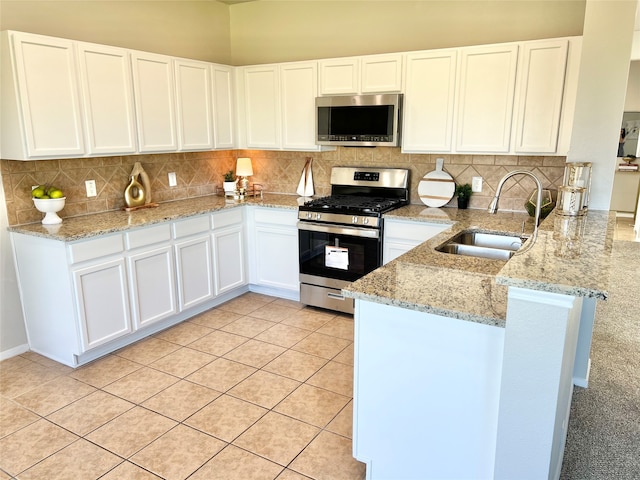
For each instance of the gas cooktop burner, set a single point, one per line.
(353, 203)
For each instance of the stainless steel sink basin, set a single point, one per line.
(472, 243)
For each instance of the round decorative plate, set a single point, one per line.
(437, 187)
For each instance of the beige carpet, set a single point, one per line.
(604, 429)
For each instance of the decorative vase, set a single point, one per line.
(134, 194)
(463, 202)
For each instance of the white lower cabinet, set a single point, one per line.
(193, 266)
(400, 236)
(273, 251)
(102, 297)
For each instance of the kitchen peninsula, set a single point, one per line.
(464, 367)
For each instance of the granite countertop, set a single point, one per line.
(571, 256)
(92, 225)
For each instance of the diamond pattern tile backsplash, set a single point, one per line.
(200, 173)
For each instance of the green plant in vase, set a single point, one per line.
(463, 192)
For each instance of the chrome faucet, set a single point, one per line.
(493, 207)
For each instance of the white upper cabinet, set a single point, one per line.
(41, 114)
(485, 98)
(155, 102)
(105, 79)
(262, 106)
(223, 82)
(429, 101)
(193, 105)
(540, 95)
(355, 75)
(299, 88)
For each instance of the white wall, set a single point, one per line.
(602, 85)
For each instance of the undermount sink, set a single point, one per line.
(472, 243)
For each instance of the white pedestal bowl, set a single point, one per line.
(51, 207)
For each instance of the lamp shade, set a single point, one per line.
(244, 168)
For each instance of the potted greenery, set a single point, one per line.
(229, 184)
(463, 192)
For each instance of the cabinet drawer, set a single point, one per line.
(184, 228)
(413, 231)
(276, 216)
(148, 236)
(95, 248)
(224, 219)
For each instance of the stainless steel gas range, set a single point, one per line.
(340, 236)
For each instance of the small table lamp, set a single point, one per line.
(244, 170)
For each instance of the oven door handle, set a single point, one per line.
(339, 229)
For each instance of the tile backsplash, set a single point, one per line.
(200, 173)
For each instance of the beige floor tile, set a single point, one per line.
(308, 319)
(131, 431)
(90, 412)
(13, 417)
(141, 384)
(129, 471)
(184, 333)
(147, 351)
(283, 302)
(321, 345)
(233, 463)
(221, 374)
(296, 365)
(291, 475)
(345, 356)
(55, 394)
(341, 327)
(181, 400)
(15, 363)
(105, 370)
(47, 362)
(226, 417)
(215, 318)
(178, 453)
(5, 476)
(274, 312)
(18, 381)
(242, 305)
(81, 459)
(283, 335)
(343, 423)
(336, 377)
(248, 326)
(183, 362)
(26, 447)
(312, 405)
(218, 343)
(277, 438)
(329, 457)
(264, 389)
(255, 353)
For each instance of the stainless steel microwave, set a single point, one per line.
(359, 120)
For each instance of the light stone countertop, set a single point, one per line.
(571, 256)
(92, 225)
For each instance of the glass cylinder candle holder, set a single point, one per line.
(578, 174)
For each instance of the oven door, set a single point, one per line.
(338, 252)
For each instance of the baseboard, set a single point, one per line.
(12, 352)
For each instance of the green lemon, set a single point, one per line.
(55, 193)
(37, 192)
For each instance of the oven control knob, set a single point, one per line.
(354, 219)
(309, 215)
(318, 215)
(365, 221)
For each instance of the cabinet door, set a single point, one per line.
(103, 302)
(542, 74)
(262, 106)
(381, 73)
(229, 258)
(223, 106)
(193, 105)
(429, 101)
(49, 96)
(277, 257)
(105, 77)
(485, 99)
(193, 265)
(154, 101)
(401, 236)
(339, 76)
(299, 88)
(153, 289)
